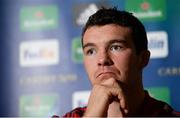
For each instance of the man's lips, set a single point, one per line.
(105, 74)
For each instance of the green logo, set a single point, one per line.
(160, 93)
(38, 105)
(38, 18)
(147, 10)
(77, 52)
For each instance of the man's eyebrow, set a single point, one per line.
(117, 41)
(109, 42)
(88, 44)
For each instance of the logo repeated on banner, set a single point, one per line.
(160, 93)
(77, 52)
(42, 80)
(38, 105)
(158, 44)
(81, 12)
(147, 9)
(39, 53)
(169, 71)
(38, 18)
(80, 98)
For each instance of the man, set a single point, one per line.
(115, 54)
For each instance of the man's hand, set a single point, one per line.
(102, 95)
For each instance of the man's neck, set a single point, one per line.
(136, 103)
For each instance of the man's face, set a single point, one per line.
(109, 52)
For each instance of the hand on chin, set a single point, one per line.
(109, 80)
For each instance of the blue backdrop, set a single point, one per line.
(41, 67)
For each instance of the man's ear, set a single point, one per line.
(144, 58)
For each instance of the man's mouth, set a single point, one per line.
(105, 75)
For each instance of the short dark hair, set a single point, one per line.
(122, 18)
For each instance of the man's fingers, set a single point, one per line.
(123, 104)
(115, 91)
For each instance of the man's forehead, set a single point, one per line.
(106, 33)
(110, 29)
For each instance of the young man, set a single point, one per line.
(115, 54)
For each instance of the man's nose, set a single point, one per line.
(104, 59)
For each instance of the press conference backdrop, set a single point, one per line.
(41, 63)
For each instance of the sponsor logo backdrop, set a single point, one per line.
(42, 70)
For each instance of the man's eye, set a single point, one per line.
(115, 48)
(90, 52)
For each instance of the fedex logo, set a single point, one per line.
(39, 53)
